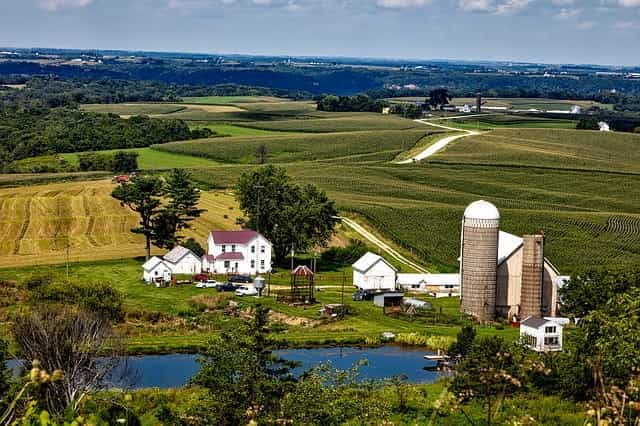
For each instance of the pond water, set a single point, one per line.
(175, 370)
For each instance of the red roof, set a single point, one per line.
(209, 257)
(302, 271)
(230, 256)
(233, 237)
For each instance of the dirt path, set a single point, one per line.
(382, 245)
(440, 144)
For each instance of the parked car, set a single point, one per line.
(200, 277)
(243, 279)
(360, 295)
(246, 291)
(228, 286)
(208, 284)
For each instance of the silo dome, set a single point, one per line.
(482, 210)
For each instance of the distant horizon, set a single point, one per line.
(530, 31)
(311, 56)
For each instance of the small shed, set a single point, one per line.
(391, 301)
(373, 272)
(181, 260)
(541, 334)
(156, 270)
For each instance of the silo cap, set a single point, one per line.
(482, 210)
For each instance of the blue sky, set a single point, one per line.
(553, 31)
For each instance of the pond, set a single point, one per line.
(175, 370)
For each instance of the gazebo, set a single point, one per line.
(302, 286)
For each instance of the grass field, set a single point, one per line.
(338, 122)
(165, 110)
(591, 150)
(231, 130)
(38, 222)
(500, 121)
(151, 159)
(288, 148)
(220, 100)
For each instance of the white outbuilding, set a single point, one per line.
(437, 285)
(156, 270)
(373, 272)
(181, 260)
(541, 334)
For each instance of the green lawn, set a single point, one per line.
(151, 159)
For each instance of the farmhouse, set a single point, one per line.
(240, 252)
(155, 269)
(372, 272)
(541, 335)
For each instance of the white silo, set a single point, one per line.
(479, 260)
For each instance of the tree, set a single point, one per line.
(241, 371)
(124, 162)
(181, 209)
(78, 343)
(588, 123)
(142, 195)
(5, 377)
(289, 215)
(492, 370)
(194, 246)
(261, 153)
(438, 98)
(464, 342)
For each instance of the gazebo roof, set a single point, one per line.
(302, 271)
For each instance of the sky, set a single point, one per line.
(548, 31)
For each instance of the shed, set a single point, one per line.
(181, 260)
(390, 301)
(156, 270)
(373, 272)
(541, 334)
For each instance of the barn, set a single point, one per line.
(373, 272)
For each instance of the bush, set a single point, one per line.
(431, 342)
(205, 302)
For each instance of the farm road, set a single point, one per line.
(439, 145)
(382, 245)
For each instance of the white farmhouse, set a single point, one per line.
(372, 272)
(240, 252)
(156, 269)
(181, 260)
(541, 334)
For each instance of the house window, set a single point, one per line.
(227, 264)
(233, 247)
(415, 285)
(550, 330)
(530, 340)
(551, 341)
(253, 264)
(224, 248)
(261, 249)
(253, 249)
(262, 264)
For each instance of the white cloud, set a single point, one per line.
(61, 4)
(567, 13)
(395, 4)
(498, 7)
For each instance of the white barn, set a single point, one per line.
(156, 269)
(181, 260)
(541, 334)
(437, 285)
(240, 252)
(372, 272)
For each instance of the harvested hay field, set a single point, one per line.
(158, 110)
(38, 222)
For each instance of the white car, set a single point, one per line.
(207, 284)
(246, 291)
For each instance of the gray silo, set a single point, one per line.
(479, 260)
(532, 276)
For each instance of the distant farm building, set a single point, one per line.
(437, 285)
(541, 334)
(373, 272)
(502, 274)
(604, 127)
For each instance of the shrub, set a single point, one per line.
(205, 302)
(432, 342)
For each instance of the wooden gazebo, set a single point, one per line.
(302, 285)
